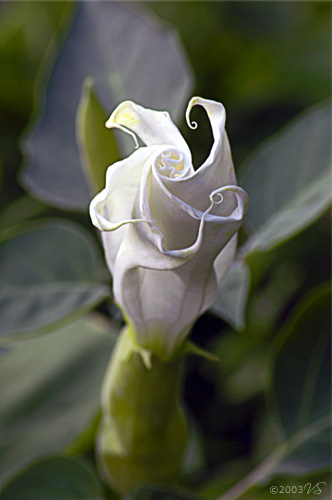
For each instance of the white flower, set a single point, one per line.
(169, 231)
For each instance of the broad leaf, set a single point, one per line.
(194, 459)
(288, 180)
(300, 397)
(50, 390)
(23, 46)
(161, 493)
(97, 144)
(299, 488)
(55, 478)
(232, 296)
(49, 273)
(21, 210)
(129, 54)
(302, 386)
(304, 488)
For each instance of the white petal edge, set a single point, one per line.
(135, 162)
(217, 170)
(215, 197)
(217, 116)
(153, 127)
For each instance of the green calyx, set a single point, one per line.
(143, 432)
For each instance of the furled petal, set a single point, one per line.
(176, 225)
(177, 228)
(169, 232)
(218, 168)
(153, 127)
(169, 304)
(225, 259)
(113, 207)
(162, 305)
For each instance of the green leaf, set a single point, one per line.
(232, 296)
(194, 460)
(157, 492)
(301, 488)
(300, 397)
(130, 55)
(49, 273)
(302, 386)
(288, 180)
(97, 144)
(50, 390)
(304, 488)
(23, 45)
(21, 210)
(54, 478)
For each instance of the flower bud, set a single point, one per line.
(169, 232)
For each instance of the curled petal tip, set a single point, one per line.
(111, 123)
(191, 124)
(216, 198)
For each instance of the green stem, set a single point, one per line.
(143, 432)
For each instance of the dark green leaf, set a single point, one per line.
(48, 273)
(21, 210)
(55, 478)
(97, 144)
(288, 180)
(302, 386)
(161, 493)
(301, 488)
(232, 296)
(304, 488)
(194, 459)
(50, 390)
(301, 397)
(130, 55)
(311, 454)
(243, 354)
(23, 45)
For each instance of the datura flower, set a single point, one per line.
(169, 231)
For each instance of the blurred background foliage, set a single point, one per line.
(267, 62)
